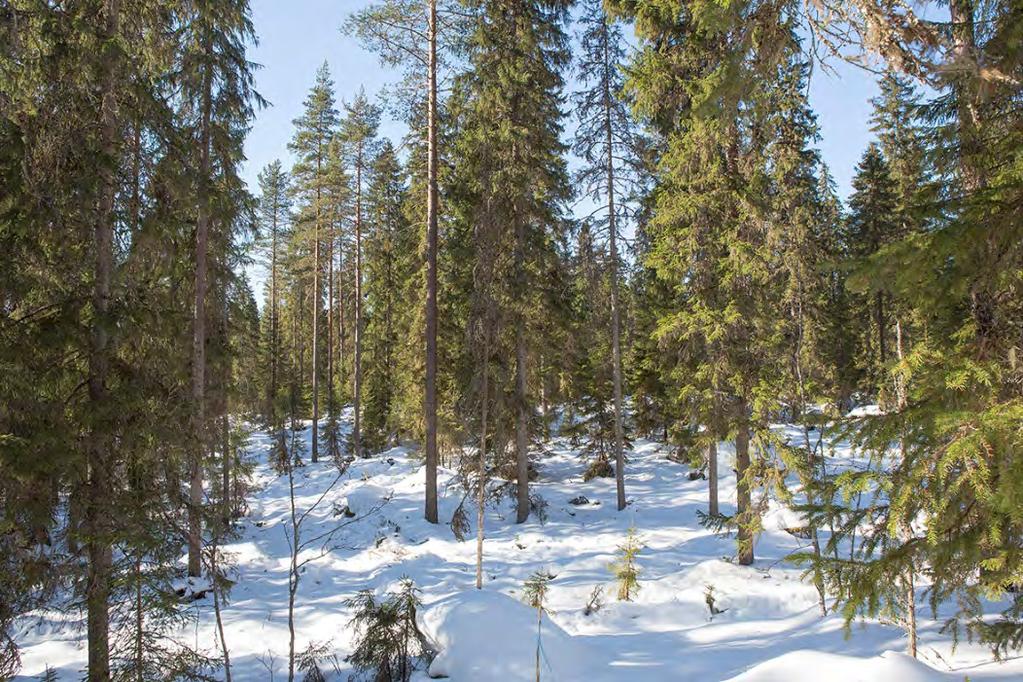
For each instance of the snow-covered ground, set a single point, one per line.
(770, 628)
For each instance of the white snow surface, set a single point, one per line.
(465, 628)
(812, 666)
(770, 627)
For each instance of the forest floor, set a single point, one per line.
(770, 627)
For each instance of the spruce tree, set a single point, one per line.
(274, 222)
(873, 223)
(390, 242)
(513, 184)
(608, 142)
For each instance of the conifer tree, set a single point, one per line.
(873, 223)
(607, 141)
(274, 221)
(359, 133)
(405, 33)
(338, 199)
(390, 246)
(313, 133)
(513, 179)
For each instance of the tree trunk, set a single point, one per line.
(356, 430)
(742, 489)
(521, 427)
(882, 343)
(481, 491)
(430, 387)
(199, 334)
(316, 314)
(909, 585)
(274, 331)
(330, 335)
(616, 347)
(712, 477)
(99, 453)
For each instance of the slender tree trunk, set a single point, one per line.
(482, 466)
(616, 345)
(217, 608)
(330, 335)
(225, 437)
(316, 314)
(274, 328)
(341, 316)
(293, 575)
(882, 342)
(712, 477)
(521, 427)
(742, 489)
(140, 620)
(100, 467)
(356, 425)
(430, 386)
(135, 209)
(909, 585)
(199, 334)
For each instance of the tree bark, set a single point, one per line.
(481, 491)
(99, 453)
(712, 477)
(742, 489)
(356, 425)
(616, 347)
(316, 311)
(521, 427)
(199, 332)
(909, 585)
(430, 386)
(330, 334)
(274, 322)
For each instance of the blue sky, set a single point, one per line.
(296, 36)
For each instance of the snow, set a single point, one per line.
(806, 666)
(770, 627)
(469, 628)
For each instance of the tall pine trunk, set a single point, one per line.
(330, 333)
(99, 454)
(274, 331)
(316, 312)
(199, 332)
(430, 386)
(356, 424)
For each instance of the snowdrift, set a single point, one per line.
(811, 666)
(482, 635)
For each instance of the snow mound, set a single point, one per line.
(484, 635)
(809, 666)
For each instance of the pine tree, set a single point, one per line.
(313, 133)
(338, 200)
(358, 131)
(421, 39)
